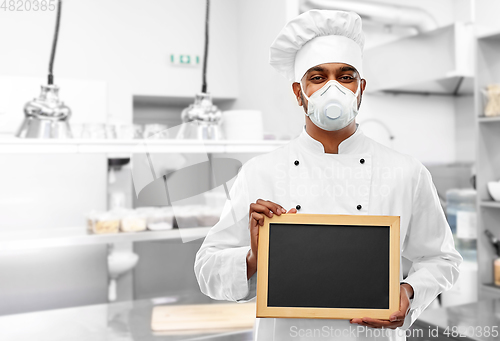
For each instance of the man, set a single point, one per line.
(331, 168)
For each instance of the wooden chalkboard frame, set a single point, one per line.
(263, 310)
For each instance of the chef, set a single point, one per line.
(330, 168)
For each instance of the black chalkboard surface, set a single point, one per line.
(328, 266)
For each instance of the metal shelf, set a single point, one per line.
(491, 288)
(30, 239)
(35, 146)
(483, 119)
(485, 34)
(493, 204)
(487, 71)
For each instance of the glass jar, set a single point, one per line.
(133, 221)
(462, 218)
(103, 222)
(155, 131)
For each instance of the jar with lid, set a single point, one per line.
(462, 218)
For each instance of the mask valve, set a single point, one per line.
(333, 111)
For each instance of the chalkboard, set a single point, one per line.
(328, 266)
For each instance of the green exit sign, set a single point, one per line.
(185, 59)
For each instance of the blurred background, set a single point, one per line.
(83, 219)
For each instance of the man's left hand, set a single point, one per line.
(397, 319)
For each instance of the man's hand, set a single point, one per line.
(397, 319)
(256, 215)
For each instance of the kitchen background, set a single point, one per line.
(122, 65)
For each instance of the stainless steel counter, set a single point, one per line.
(130, 321)
(469, 322)
(124, 321)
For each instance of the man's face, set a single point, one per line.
(319, 75)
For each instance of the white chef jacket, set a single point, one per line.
(365, 177)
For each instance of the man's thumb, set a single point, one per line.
(397, 316)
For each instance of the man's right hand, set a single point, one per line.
(256, 215)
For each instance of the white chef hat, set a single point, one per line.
(317, 37)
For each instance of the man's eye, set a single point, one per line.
(316, 78)
(347, 78)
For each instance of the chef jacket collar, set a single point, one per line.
(352, 144)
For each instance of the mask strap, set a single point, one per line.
(358, 89)
(304, 94)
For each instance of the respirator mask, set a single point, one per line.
(333, 106)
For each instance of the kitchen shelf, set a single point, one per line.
(491, 288)
(488, 119)
(492, 34)
(35, 146)
(179, 100)
(490, 203)
(487, 50)
(22, 240)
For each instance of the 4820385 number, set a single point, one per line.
(28, 5)
(470, 331)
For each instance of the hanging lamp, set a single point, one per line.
(47, 116)
(201, 120)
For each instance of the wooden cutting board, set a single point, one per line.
(203, 317)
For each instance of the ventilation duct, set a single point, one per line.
(377, 12)
(439, 62)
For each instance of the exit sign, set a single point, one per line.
(185, 59)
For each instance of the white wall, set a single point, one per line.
(126, 43)
(435, 129)
(486, 12)
(423, 126)
(464, 128)
(261, 87)
(50, 191)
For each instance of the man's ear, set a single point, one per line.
(297, 91)
(363, 85)
(362, 89)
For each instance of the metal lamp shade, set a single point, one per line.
(46, 116)
(201, 120)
